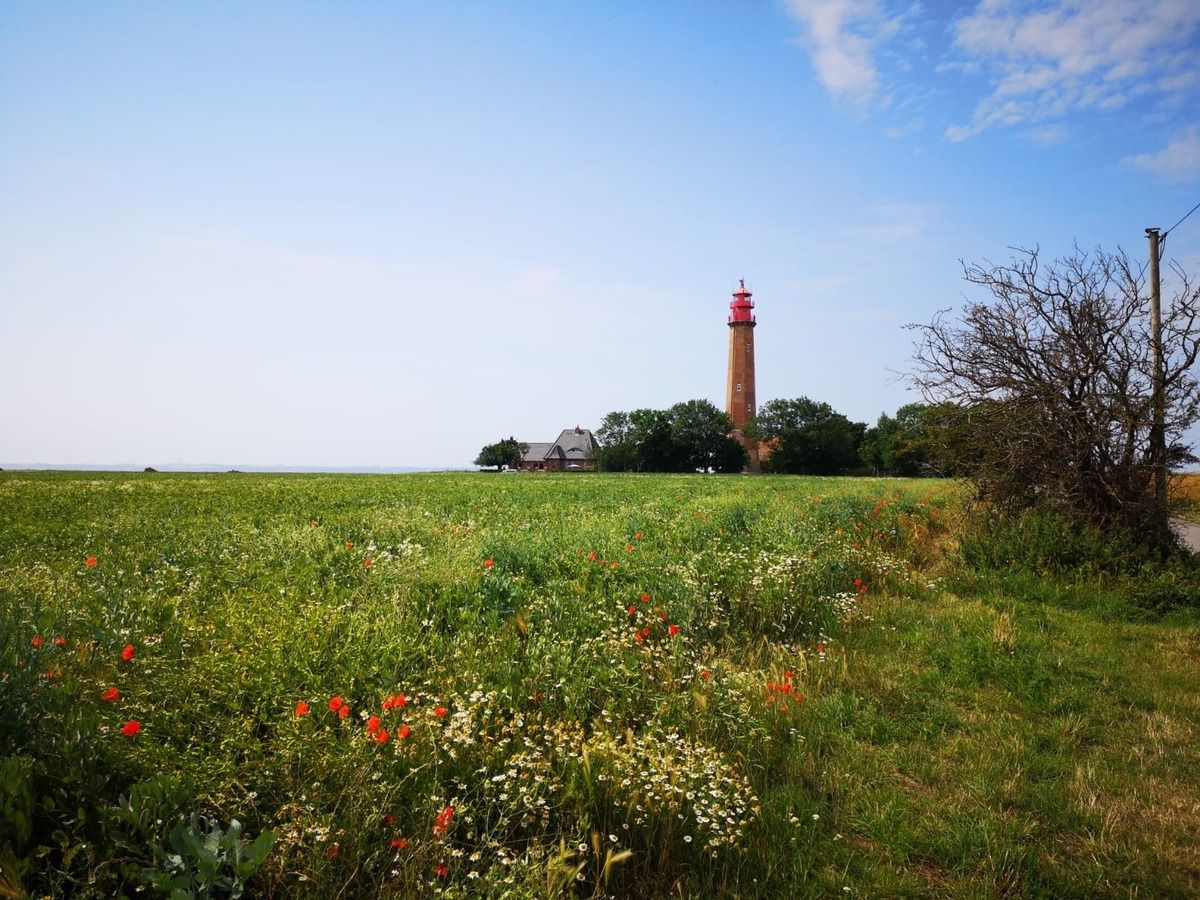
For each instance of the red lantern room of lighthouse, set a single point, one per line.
(741, 306)
(739, 388)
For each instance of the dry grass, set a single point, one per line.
(1185, 488)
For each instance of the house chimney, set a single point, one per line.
(578, 430)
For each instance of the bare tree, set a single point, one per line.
(1047, 384)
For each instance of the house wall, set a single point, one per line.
(542, 465)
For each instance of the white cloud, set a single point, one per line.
(1178, 161)
(842, 37)
(1047, 58)
(1047, 135)
(897, 132)
(892, 223)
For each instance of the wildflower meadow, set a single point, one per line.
(484, 686)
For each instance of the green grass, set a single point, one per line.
(774, 732)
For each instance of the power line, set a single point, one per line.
(1162, 247)
(1177, 224)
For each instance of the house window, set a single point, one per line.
(749, 407)
(747, 346)
(739, 387)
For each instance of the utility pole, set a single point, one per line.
(1158, 436)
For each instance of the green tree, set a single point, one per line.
(699, 431)
(909, 454)
(650, 430)
(731, 457)
(807, 437)
(618, 452)
(898, 446)
(1053, 370)
(877, 444)
(690, 436)
(500, 454)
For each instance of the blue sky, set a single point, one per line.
(364, 234)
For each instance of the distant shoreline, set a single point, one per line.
(218, 469)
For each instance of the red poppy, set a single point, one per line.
(614, 565)
(442, 820)
(637, 637)
(312, 522)
(645, 632)
(396, 701)
(820, 648)
(381, 736)
(301, 709)
(638, 536)
(629, 548)
(336, 703)
(633, 610)
(343, 712)
(389, 819)
(704, 673)
(672, 630)
(367, 563)
(662, 615)
(645, 598)
(90, 562)
(110, 695)
(128, 652)
(440, 712)
(858, 582)
(373, 724)
(37, 640)
(60, 641)
(132, 727)
(442, 870)
(333, 849)
(488, 563)
(403, 732)
(399, 843)
(592, 556)
(349, 545)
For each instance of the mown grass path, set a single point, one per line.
(636, 686)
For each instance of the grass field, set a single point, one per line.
(584, 685)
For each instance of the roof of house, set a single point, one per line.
(573, 445)
(577, 443)
(537, 451)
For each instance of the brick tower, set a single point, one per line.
(739, 389)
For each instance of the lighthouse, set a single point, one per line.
(739, 388)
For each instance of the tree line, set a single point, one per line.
(798, 437)
(690, 436)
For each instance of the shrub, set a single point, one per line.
(1043, 540)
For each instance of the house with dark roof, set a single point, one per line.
(574, 451)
